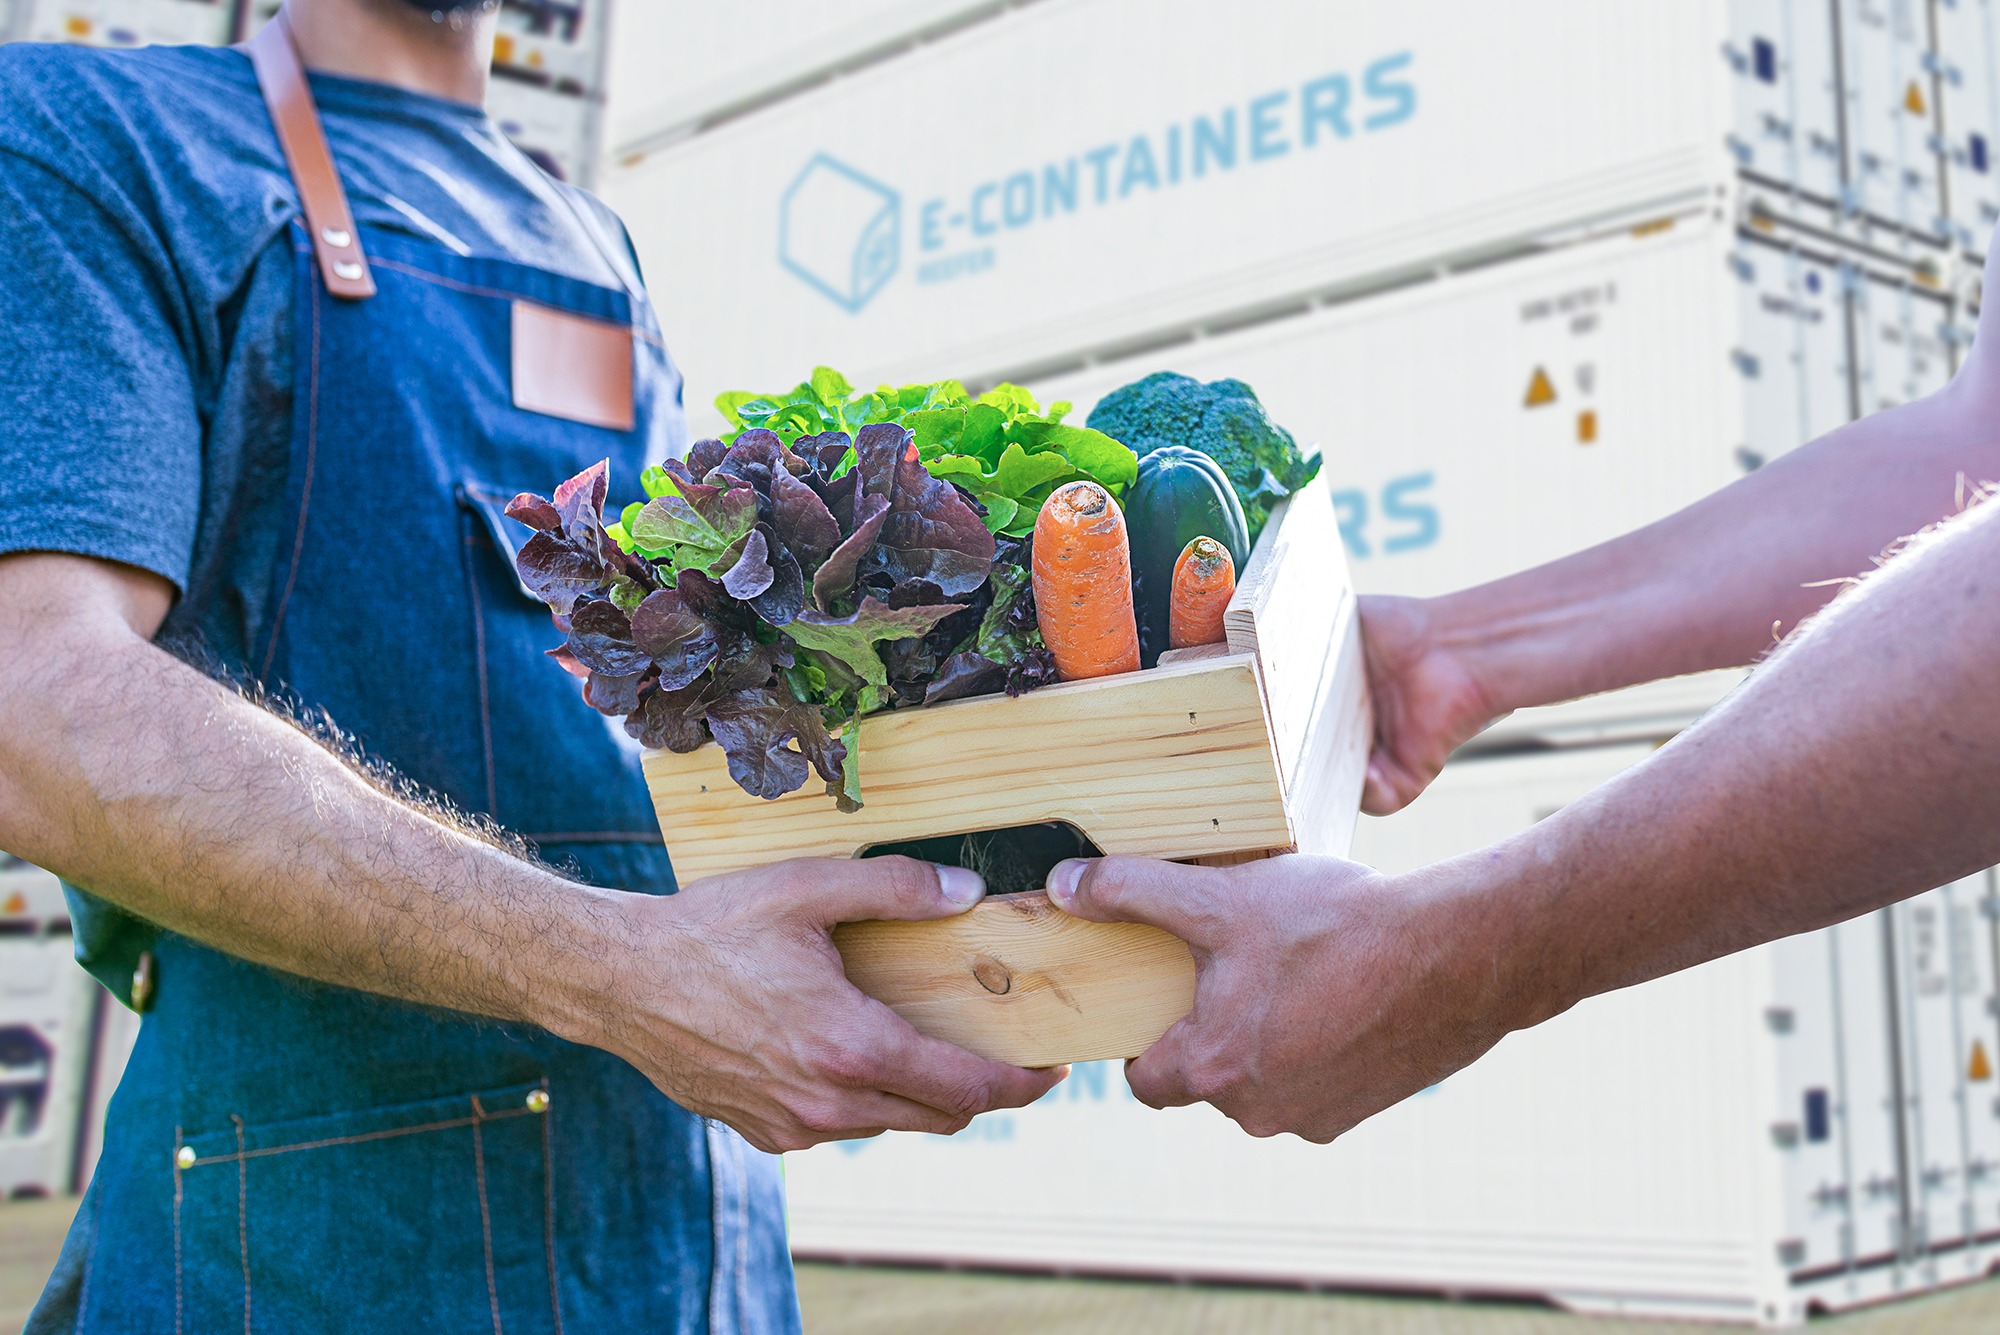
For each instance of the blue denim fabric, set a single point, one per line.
(295, 1157)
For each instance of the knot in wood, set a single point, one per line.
(992, 975)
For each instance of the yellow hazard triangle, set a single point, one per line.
(1540, 389)
(1980, 1069)
(16, 903)
(1913, 101)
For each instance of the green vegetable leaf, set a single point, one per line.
(852, 638)
(1108, 463)
(1020, 474)
(729, 401)
(700, 526)
(830, 385)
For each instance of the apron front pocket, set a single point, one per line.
(321, 1223)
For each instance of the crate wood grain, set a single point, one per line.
(1020, 981)
(1220, 758)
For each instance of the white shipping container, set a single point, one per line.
(1720, 1143)
(1890, 80)
(124, 22)
(1488, 422)
(1787, 103)
(675, 66)
(1968, 48)
(1079, 174)
(46, 1014)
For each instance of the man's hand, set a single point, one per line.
(733, 1002)
(1427, 701)
(1325, 991)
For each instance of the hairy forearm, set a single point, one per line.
(137, 777)
(1859, 765)
(1705, 587)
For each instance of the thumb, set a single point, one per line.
(835, 890)
(1168, 895)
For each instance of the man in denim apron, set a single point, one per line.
(275, 350)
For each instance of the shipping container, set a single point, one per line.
(1720, 1143)
(47, 1008)
(1486, 422)
(123, 23)
(678, 67)
(1074, 176)
(1968, 58)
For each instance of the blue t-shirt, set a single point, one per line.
(146, 302)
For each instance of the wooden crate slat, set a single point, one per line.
(1069, 990)
(1174, 762)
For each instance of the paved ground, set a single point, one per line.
(842, 1300)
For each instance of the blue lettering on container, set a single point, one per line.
(1267, 130)
(1425, 516)
(1375, 81)
(1215, 141)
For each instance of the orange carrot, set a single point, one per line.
(1083, 583)
(1204, 579)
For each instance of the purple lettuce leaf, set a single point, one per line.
(703, 456)
(616, 696)
(752, 573)
(580, 502)
(533, 511)
(681, 641)
(785, 598)
(753, 729)
(601, 638)
(558, 570)
(965, 674)
(931, 533)
(836, 576)
(662, 721)
(803, 523)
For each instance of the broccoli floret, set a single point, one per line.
(1222, 419)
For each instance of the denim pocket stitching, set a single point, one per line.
(485, 1214)
(446, 1125)
(243, 1217)
(549, 1209)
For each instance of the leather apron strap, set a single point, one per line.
(286, 93)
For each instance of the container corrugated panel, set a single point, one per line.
(47, 1012)
(1787, 99)
(1488, 422)
(1891, 83)
(1687, 1147)
(1079, 174)
(1943, 947)
(676, 66)
(547, 89)
(1968, 51)
(125, 22)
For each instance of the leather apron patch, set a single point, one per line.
(571, 367)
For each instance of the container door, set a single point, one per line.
(1787, 97)
(1968, 53)
(1891, 95)
(1945, 978)
(1906, 341)
(1792, 358)
(1836, 1127)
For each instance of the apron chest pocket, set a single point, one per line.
(421, 1216)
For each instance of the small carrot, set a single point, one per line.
(1083, 583)
(1204, 579)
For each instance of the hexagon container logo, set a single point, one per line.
(840, 231)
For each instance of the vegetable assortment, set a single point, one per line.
(838, 552)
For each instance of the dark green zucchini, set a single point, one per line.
(1181, 494)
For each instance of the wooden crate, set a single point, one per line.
(1251, 750)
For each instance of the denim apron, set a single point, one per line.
(283, 1155)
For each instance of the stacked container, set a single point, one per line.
(48, 1019)
(1530, 277)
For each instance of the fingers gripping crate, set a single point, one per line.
(1216, 756)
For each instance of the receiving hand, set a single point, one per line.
(1427, 702)
(1324, 991)
(735, 1005)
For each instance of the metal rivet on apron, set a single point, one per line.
(333, 236)
(347, 269)
(184, 1156)
(142, 981)
(538, 1100)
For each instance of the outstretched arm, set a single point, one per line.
(1858, 766)
(1710, 586)
(133, 775)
